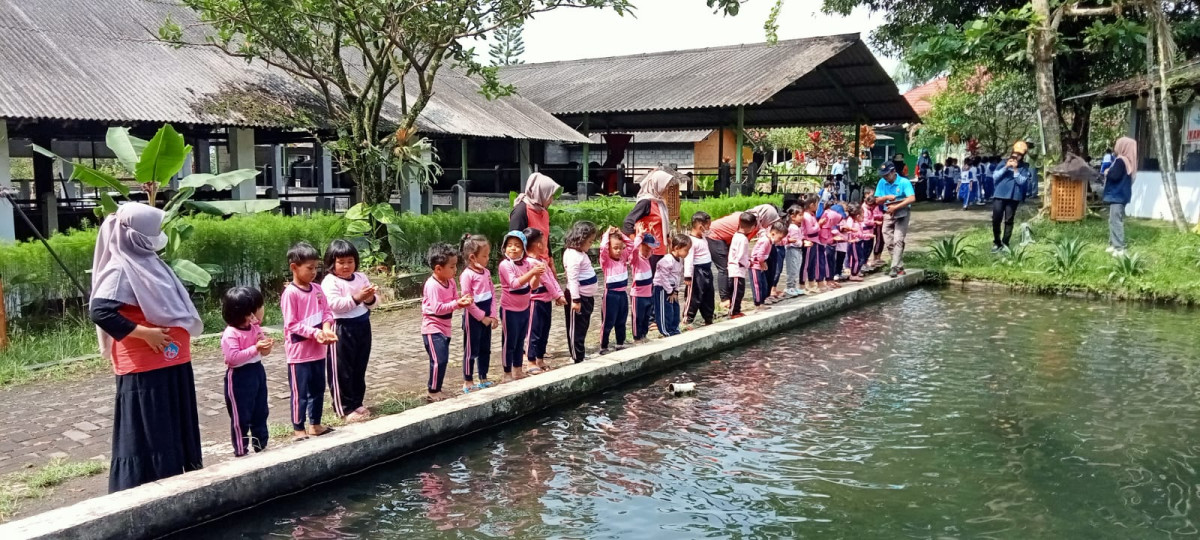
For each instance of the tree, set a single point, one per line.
(508, 46)
(995, 111)
(357, 54)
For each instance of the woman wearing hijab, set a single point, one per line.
(1118, 186)
(650, 212)
(720, 234)
(529, 210)
(145, 320)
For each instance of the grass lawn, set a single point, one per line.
(18, 487)
(1161, 263)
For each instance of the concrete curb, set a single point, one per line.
(175, 503)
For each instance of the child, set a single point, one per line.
(244, 345)
(541, 312)
(351, 296)
(794, 250)
(479, 318)
(643, 285)
(438, 304)
(852, 232)
(873, 214)
(581, 285)
(518, 276)
(760, 277)
(966, 184)
(739, 262)
(827, 239)
(667, 278)
(308, 327)
(937, 180)
(814, 255)
(615, 251)
(698, 274)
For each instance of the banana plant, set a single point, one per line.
(152, 164)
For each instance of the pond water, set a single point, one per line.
(936, 413)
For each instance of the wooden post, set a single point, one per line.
(3, 318)
(737, 151)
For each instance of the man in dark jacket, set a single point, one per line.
(1011, 181)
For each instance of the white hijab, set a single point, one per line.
(126, 268)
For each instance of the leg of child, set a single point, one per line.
(737, 287)
(516, 332)
(260, 411)
(707, 289)
(757, 286)
(673, 313)
(297, 382)
(606, 320)
(792, 264)
(541, 314)
(620, 305)
(362, 357)
(660, 311)
(316, 396)
(469, 329)
(437, 346)
(483, 350)
(239, 410)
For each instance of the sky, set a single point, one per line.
(665, 25)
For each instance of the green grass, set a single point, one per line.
(386, 405)
(1071, 257)
(18, 487)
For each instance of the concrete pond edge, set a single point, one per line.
(179, 502)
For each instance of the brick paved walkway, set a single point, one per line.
(73, 419)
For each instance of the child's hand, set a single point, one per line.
(325, 337)
(560, 301)
(466, 300)
(264, 346)
(612, 230)
(539, 269)
(673, 298)
(366, 294)
(807, 243)
(490, 321)
(576, 307)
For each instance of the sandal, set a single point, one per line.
(533, 370)
(485, 384)
(296, 437)
(315, 432)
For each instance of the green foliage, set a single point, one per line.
(508, 46)
(995, 110)
(1067, 257)
(1126, 268)
(367, 225)
(949, 251)
(1169, 258)
(1015, 258)
(394, 50)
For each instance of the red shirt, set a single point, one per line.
(724, 228)
(132, 355)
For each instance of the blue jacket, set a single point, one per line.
(1118, 185)
(1011, 184)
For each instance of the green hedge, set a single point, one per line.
(252, 249)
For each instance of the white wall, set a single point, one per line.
(1149, 201)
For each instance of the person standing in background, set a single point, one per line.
(1011, 182)
(1118, 189)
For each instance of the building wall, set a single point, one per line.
(1149, 201)
(706, 150)
(640, 155)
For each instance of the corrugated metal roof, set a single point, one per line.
(795, 82)
(661, 137)
(1185, 74)
(97, 60)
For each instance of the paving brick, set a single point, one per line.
(86, 426)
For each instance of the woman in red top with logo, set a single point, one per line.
(145, 321)
(650, 213)
(530, 209)
(720, 235)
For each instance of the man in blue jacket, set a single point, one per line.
(896, 194)
(1011, 181)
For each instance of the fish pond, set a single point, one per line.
(934, 413)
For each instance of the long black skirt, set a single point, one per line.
(156, 429)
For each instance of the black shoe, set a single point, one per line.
(896, 272)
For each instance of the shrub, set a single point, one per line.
(1126, 268)
(1067, 257)
(1015, 258)
(950, 251)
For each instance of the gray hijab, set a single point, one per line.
(126, 268)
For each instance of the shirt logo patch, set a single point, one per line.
(171, 352)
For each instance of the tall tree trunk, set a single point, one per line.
(1158, 57)
(1042, 45)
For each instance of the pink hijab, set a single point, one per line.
(126, 268)
(1126, 150)
(539, 191)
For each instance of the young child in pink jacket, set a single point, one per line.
(244, 346)
(351, 297)
(438, 304)
(739, 262)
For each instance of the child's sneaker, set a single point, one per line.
(619, 347)
(603, 352)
